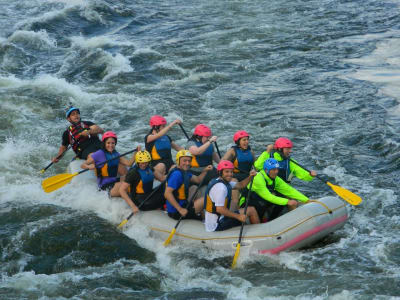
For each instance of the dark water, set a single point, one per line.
(323, 73)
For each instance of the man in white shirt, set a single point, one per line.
(217, 200)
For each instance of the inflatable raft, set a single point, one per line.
(296, 229)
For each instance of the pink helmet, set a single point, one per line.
(157, 120)
(225, 164)
(283, 143)
(239, 134)
(109, 134)
(202, 130)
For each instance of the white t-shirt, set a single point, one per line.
(218, 193)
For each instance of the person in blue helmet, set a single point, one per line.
(81, 135)
(270, 194)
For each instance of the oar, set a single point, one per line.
(55, 182)
(237, 252)
(58, 157)
(180, 219)
(184, 131)
(345, 194)
(140, 205)
(219, 153)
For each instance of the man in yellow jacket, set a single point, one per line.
(270, 194)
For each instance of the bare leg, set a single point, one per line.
(252, 214)
(160, 168)
(115, 190)
(122, 170)
(198, 205)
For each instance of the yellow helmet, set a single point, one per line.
(183, 153)
(142, 157)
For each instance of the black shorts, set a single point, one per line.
(108, 186)
(265, 208)
(93, 146)
(167, 162)
(155, 201)
(240, 176)
(209, 176)
(190, 215)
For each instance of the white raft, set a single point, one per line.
(296, 229)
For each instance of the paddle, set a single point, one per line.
(55, 182)
(237, 252)
(58, 157)
(345, 194)
(219, 153)
(180, 219)
(140, 205)
(184, 131)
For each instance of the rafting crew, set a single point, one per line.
(137, 189)
(81, 135)
(218, 216)
(201, 147)
(107, 172)
(159, 144)
(270, 194)
(281, 151)
(177, 188)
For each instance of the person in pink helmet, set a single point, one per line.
(107, 173)
(281, 151)
(201, 147)
(217, 200)
(159, 144)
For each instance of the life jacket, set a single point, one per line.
(159, 148)
(203, 159)
(75, 137)
(145, 184)
(209, 205)
(106, 172)
(284, 167)
(180, 193)
(243, 159)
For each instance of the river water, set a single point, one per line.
(324, 73)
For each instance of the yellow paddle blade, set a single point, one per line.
(169, 238)
(123, 223)
(55, 182)
(346, 195)
(235, 258)
(41, 171)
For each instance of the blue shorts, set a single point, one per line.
(225, 223)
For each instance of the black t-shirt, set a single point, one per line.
(133, 178)
(65, 136)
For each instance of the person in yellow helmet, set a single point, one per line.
(138, 185)
(177, 188)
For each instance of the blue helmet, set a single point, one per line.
(270, 164)
(70, 110)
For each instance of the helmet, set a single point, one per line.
(283, 143)
(202, 130)
(183, 153)
(70, 110)
(270, 164)
(109, 134)
(239, 134)
(142, 157)
(225, 164)
(157, 120)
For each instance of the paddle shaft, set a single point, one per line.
(219, 153)
(245, 209)
(184, 131)
(58, 157)
(296, 163)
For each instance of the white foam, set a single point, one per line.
(116, 64)
(41, 39)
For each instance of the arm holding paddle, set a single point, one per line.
(163, 131)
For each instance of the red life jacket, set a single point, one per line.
(75, 139)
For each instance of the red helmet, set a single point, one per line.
(109, 134)
(239, 134)
(202, 130)
(283, 143)
(157, 121)
(225, 164)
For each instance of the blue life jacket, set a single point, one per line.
(203, 159)
(209, 205)
(244, 159)
(180, 193)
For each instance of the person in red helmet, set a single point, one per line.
(159, 144)
(201, 147)
(217, 200)
(107, 173)
(281, 151)
(81, 135)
